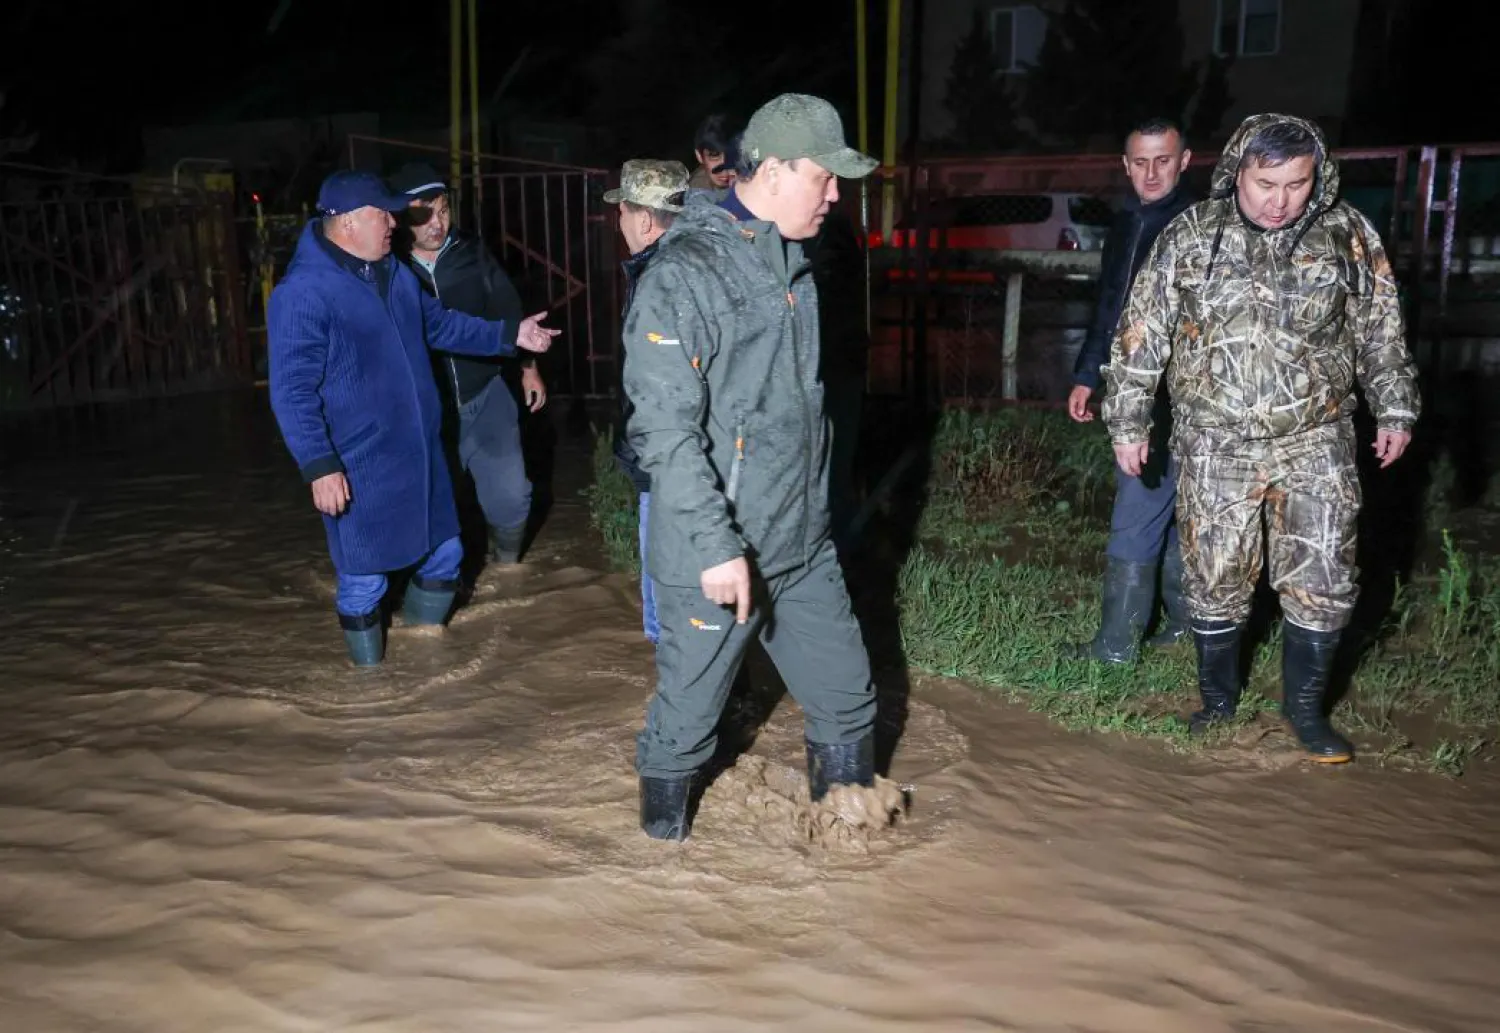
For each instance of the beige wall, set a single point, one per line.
(1308, 76)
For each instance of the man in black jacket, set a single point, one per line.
(462, 274)
(649, 197)
(1143, 528)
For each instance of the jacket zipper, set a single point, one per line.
(447, 359)
(737, 461)
(791, 304)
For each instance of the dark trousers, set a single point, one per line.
(1143, 523)
(489, 448)
(804, 621)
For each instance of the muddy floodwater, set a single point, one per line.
(210, 822)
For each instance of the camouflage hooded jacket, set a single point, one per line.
(1261, 333)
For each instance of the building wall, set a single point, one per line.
(1309, 75)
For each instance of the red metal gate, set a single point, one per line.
(548, 225)
(109, 290)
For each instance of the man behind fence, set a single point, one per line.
(352, 389)
(721, 365)
(1142, 531)
(649, 197)
(1271, 300)
(462, 274)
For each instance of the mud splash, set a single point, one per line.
(208, 821)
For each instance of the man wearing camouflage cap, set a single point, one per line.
(721, 367)
(649, 198)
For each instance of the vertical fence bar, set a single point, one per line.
(587, 221)
(69, 381)
(1450, 229)
(567, 242)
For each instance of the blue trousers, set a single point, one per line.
(1143, 523)
(489, 448)
(648, 587)
(358, 594)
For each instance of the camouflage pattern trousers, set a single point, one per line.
(1295, 498)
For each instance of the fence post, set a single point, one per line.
(1010, 343)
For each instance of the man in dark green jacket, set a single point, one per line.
(721, 366)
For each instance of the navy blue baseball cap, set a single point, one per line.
(344, 192)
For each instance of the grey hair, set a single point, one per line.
(1279, 143)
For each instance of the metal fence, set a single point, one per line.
(110, 290)
(983, 275)
(549, 227)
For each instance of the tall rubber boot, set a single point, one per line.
(830, 764)
(1176, 623)
(506, 542)
(428, 600)
(365, 637)
(1218, 645)
(664, 806)
(1129, 592)
(1306, 658)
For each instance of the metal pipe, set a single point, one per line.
(456, 102)
(474, 115)
(892, 94)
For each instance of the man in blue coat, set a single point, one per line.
(351, 386)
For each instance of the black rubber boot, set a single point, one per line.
(1306, 659)
(664, 806)
(365, 637)
(506, 542)
(1129, 592)
(1218, 645)
(1175, 623)
(428, 600)
(829, 764)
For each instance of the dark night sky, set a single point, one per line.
(90, 74)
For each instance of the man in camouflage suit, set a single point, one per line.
(1263, 307)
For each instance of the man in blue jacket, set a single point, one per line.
(1143, 528)
(352, 390)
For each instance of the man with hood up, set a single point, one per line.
(1263, 307)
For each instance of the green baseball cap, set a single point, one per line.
(651, 183)
(796, 125)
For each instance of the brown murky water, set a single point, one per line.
(209, 822)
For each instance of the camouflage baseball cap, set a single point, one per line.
(795, 125)
(651, 183)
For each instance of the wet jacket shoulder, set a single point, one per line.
(1134, 230)
(721, 355)
(1261, 333)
